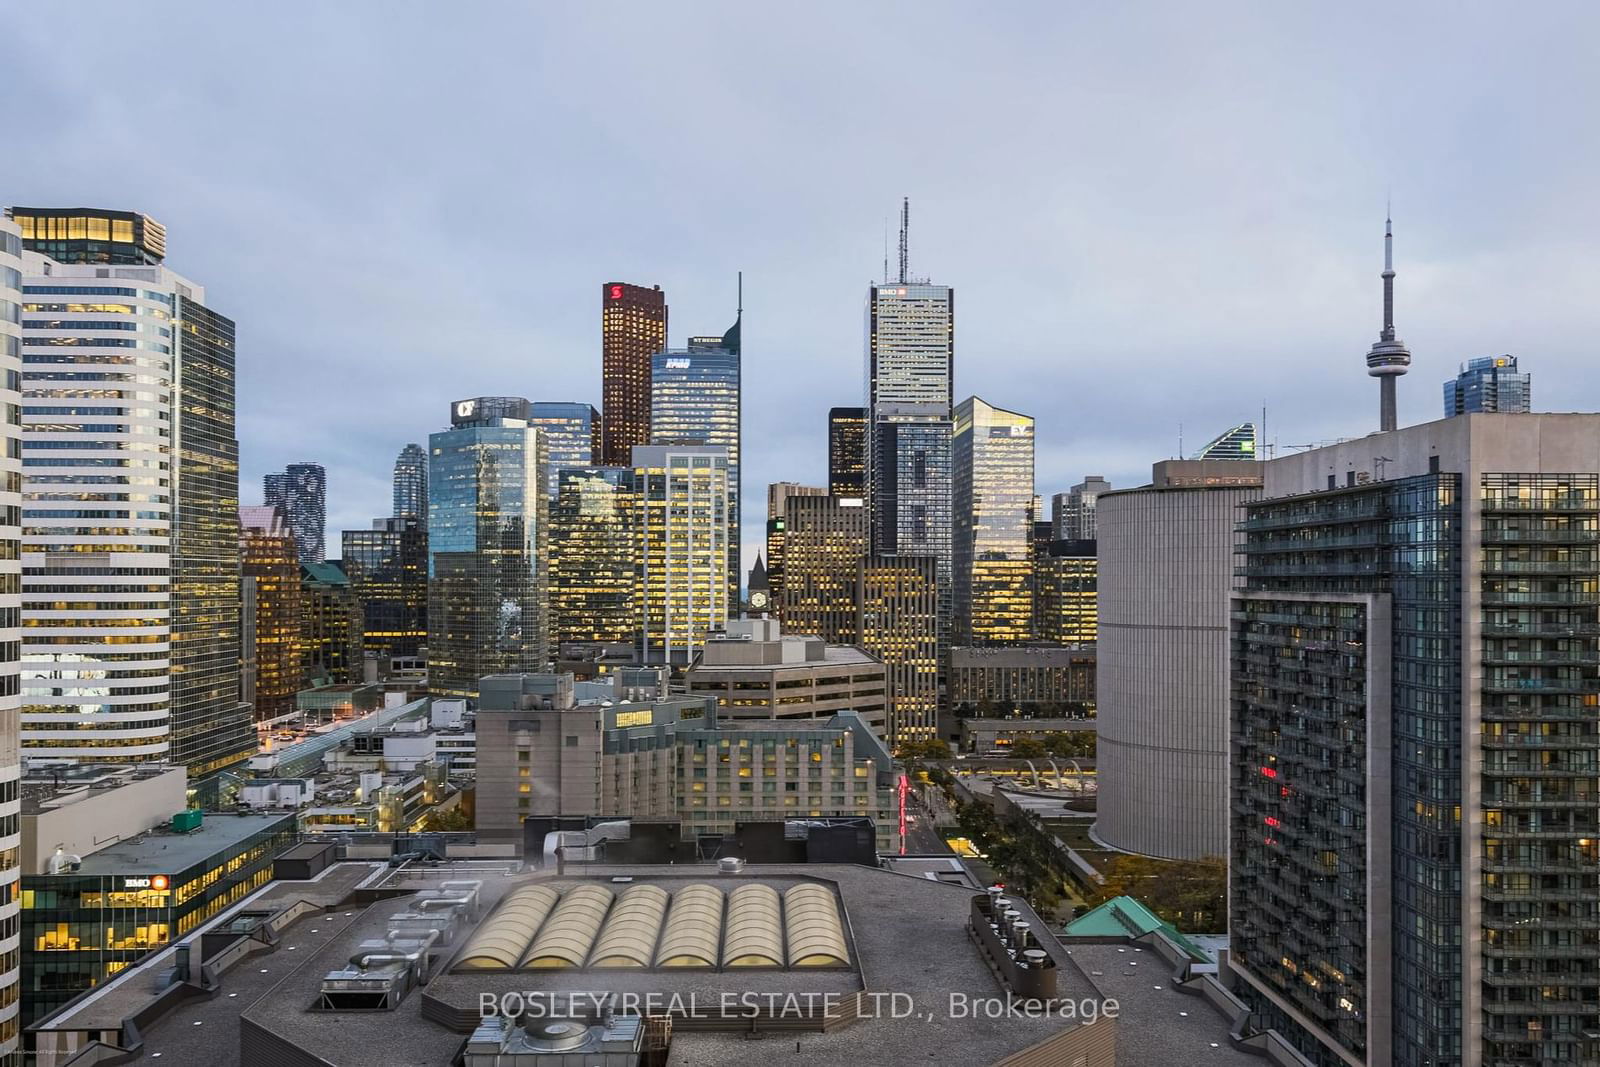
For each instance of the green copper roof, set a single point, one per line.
(1126, 917)
(326, 573)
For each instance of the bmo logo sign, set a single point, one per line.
(154, 881)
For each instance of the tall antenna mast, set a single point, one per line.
(905, 224)
(740, 309)
(886, 250)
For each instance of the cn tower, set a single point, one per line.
(1389, 357)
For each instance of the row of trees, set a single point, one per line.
(1190, 894)
(986, 708)
(1064, 744)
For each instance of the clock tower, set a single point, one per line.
(758, 593)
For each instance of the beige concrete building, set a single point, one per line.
(756, 671)
(77, 811)
(541, 753)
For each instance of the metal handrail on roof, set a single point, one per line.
(693, 929)
(754, 935)
(570, 931)
(629, 937)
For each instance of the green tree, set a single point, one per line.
(1028, 748)
(451, 820)
(1190, 894)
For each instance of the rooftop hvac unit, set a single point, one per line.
(497, 1042)
(378, 975)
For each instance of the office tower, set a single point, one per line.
(682, 524)
(910, 369)
(209, 725)
(1065, 583)
(1414, 744)
(778, 493)
(594, 556)
(330, 627)
(897, 617)
(91, 235)
(488, 608)
(847, 452)
(1165, 574)
(1491, 383)
(695, 400)
(633, 327)
(271, 566)
(411, 483)
(302, 491)
(1072, 512)
(1388, 358)
(571, 434)
(825, 540)
(992, 506)
(1236, 442)
(388, 571)
(10, 631)
(112, 683)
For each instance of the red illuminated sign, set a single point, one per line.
(905, 787)
(616, 292)
(1270, 772)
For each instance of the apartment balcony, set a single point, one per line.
(1564, 504)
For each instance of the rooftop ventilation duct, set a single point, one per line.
(379, 974)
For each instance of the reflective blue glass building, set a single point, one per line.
(695, 400)
(1491, 383)
(487, 606)
(571, 435)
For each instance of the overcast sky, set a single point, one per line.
(1152, 215)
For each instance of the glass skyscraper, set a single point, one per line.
(411, 483)
(847, 452)
(1072, 512)
(487, 513)
(683, 529)
(302, 491)
(992, 508)
(388, 570)
(10, 627)
(272, 577)
(1236, 442)
(695, 400)
(1491, 383)
(572, 437)
(594, 556)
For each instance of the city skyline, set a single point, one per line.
(1266, 284)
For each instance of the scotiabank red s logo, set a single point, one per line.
(616, 292)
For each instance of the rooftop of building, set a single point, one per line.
(1127, 917)
(161, 851)
(49, 786)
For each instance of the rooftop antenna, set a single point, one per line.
(1180, 440)
(905, 224)
(886, 250)
(740, 309)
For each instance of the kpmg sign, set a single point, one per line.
(678, 364)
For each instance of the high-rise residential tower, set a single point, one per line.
(695, 399)
(1414, 853)
(10, 632)
(1072, 512)
(847, 452)
(633, 327)
(488, 607)
(302, 491)
(180, 486)
(571, 434)
(1490, 383)
(992, 505)
(272, 579)
(682, 521)
(594, 556)
(778, 495)
(1165, 575)
(1388, 358)
(388, 571)
(411, 483)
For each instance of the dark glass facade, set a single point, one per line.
(1491, 383)
(211, 725)
(847, 452)
(91, 235)
(411, 483)
(330, 627)
(571, 435)
(388, 571)
(271, 569)
(487, 513)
